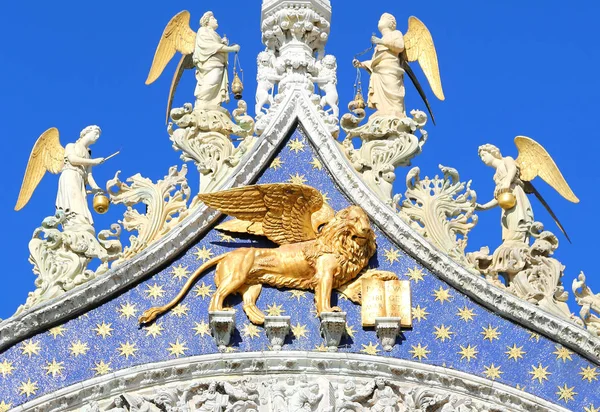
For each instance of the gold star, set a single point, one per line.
(177, 349)
(490, 333)
(251, 331)
(420, 313)
(299, 331)
(127, 349)
(275, 310)
(515, 352)
(468, 353)
(534, 336)
(588, 373)
(276, 163)
(181, 310)
(5, 407)
(585, 408)
(392, 255)
(298, 294)
(370, 349)
(316, 164)
(350, 331)
(442, 295)
(6, 368)
(322, 348)
(466, 314)
(79, 348)
(179, 272)
(225, 238)
(297, 179)
(154, 330)
(202, 328)
(203, 254)
(415, 274)
(104, 330)
(419, 351)
(155, 291)
(296, 145)
(566, 394)
(54, 368)
(519, 387)
(28, 388)
(102, 368)
(442, 333)
(562, 353)
(57, 331)
(203, 290)
(30, 348)
(539, 373)
(231, 349)
(492, 372)
(127, 310)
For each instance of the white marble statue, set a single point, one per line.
(327, 81)
(266, 77)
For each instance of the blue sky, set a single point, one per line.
(508, 68)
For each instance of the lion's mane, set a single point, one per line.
(337, 238)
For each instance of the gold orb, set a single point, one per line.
(237, 87)
(507, 200)
(101, 203)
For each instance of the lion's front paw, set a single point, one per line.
(336, 309)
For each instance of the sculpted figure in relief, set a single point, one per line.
(327, 81)
(266, 78)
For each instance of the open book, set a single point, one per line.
(389, 298)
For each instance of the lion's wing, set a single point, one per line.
(284, 210)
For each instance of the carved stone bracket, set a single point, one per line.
(387, 330)
(387, 142)
(333, 328)
(277, 328)
(222, 325)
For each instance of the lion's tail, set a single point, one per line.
(152, 313)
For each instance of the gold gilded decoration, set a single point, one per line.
(57, 331)
(28, 388)
(469, 352)
(443, 333)
(492, 372)
(466, 314)
(101, 368)
(350, 331)
(540, 373)
(392, 255)
(203, 291)
(6, 368)
(297, 179)
(54, 368)
(275, 310)
(225, 238)
(298, 294)
(415, 274)
(179, 272)
(566, 394)
(154, 330)
(490, 333)
(296, 145)
(515, 352)
(419, 351)
(318, 250)
(562, 353)
(155, 291)
(386, 298)
(237, 87)
(101, 203)
(5, 407)
(299, 331)
(127, 310)
(442, 295)
(30, 348)
(588, 373)
(277, 163)
(420, 313)
(321, 348)
(251, 331)
(181, 310)
(127, 349)
(316, 164)
(591, 408)
(506, 200)
(203, 254)
(202, 329)
(370, 349)
(104, 329)
(78, 348)
(534, 336)
(177, 349)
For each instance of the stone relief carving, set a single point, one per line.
(166, 205)
(589, 303)
(440, 209)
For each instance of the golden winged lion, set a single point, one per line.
(318, 250)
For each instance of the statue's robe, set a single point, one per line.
(211, 69)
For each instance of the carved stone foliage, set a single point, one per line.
(166, 205)
(386, 142)
(590, 304)
(440, 209)
(529, 272)
(205, 138)
(61, 250)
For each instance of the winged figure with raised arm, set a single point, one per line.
(205, 51)
(393, 52)
(318, 249)
(74, 164)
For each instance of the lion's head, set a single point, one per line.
(349, 236)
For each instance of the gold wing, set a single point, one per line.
(185, 62)
(177, 37)
(419, 46)
(534, 160)
(47, 155)
(283, 210)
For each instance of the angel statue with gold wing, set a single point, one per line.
(204, 50)
(393, 52)
(74, 164)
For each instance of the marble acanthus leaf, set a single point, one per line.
(291, 393)
(295, 34)
(204, 137)
(60, 254)
(589, 303)
(387, 142)
(166, 204)
(440, 209)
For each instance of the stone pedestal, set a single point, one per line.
(333, 328)
(277, 328)
(387, 330)
(222, 325)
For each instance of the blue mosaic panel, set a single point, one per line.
(449, 329)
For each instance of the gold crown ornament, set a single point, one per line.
(101, 203)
